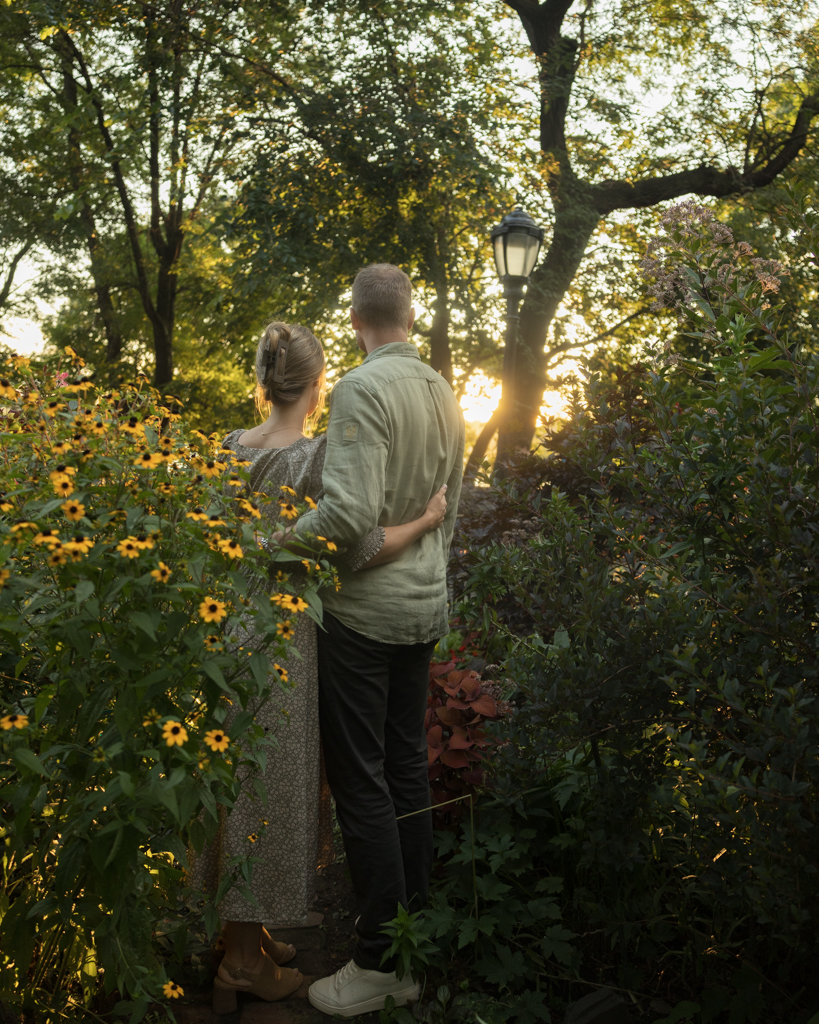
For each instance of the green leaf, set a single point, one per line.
(27, 759)
(147, 622)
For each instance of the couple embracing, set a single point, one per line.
(386, 476)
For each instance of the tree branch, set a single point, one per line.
(15, 262)
(707, 180)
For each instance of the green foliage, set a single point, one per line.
(130, 574)
(659, 769)
(410, 943)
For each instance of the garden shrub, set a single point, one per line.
(652, 822)
(127, 555)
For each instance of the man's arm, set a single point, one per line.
(358, 442)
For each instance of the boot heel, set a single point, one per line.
(224, 997)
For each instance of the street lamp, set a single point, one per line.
(516, 241)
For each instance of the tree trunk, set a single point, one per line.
(476, 456)
(163, 323)
(105, 305)
(575, 221)
(440, 354)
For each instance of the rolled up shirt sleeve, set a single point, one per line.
(358, 443)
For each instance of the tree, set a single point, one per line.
(144, 116)
(388, 151)
(743, 96)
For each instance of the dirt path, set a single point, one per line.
(322, 949)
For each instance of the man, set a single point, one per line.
(395, 435)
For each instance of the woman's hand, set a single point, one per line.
(436, 509)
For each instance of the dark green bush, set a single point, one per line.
(654, 822)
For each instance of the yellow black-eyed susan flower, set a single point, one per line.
(79, 545)
(282, 577)
(53, 407)
(7, 389)
(47, 536)
(287, 490)
(129, 548)
(213, 642)
(213, 520)
(5, 505)
(97, 428)
(147, 460)
(217, 740)
(86, 455)
(283, 674)
(291, 603)
(308, 565)
(60, 471)
(151, 718)
(132, 426)
(211, 468)
(162, 573)
(198, 514)
(165, 455)
(32, 398)
(288, 510)
(174, 733)
(285, 630)
(328, 544)
(231, 549)
(309, 502)
(172, 990)
(61, 447)
(251, 507)
(212, 610)
(252, 838)
(58, 556)
(166, 488)
(144, 542)
(24, 525)
(73, 510)
(13, 721)
(63, 487)
(277, 598)
(235, 481)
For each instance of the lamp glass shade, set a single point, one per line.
(500, 255)
(521, 253)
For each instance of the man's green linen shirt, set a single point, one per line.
(396, 434)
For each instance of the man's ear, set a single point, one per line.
(411, 319)
(355, 319)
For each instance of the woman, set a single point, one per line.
(290, 376)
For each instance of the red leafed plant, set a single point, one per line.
(458, 705)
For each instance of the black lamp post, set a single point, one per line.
(516, 241)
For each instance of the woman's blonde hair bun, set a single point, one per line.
(298, 369)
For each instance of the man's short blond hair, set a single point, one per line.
(382, 296)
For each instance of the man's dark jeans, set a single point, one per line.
(372, 701)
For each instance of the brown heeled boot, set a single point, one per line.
(270, 982)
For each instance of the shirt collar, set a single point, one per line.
(395, 348)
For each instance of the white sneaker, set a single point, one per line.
(352, 990)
